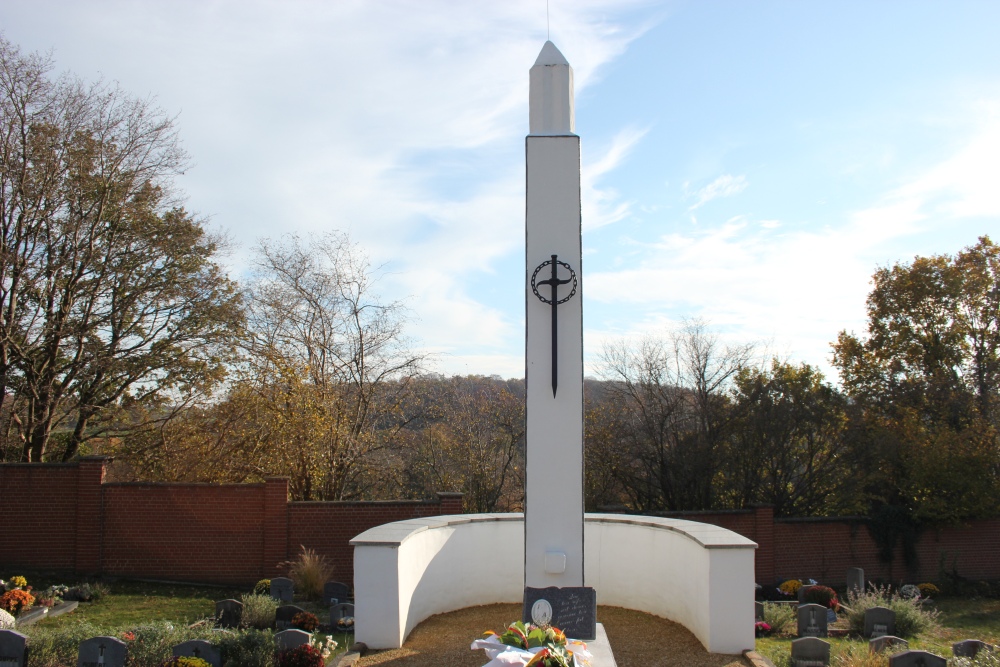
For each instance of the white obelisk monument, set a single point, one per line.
(553, 527)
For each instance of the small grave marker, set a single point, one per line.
(284, 614)
(812, 620)
(12, 648)
(758, 611)
(101, 652)
(802, 592)
(338, 613)
(917, 659)
(879, 644)
(287, 639)
(228, 613)
(810, 652)
(856, 580)
(970, 648)
(283, 589)
(879, 621)
(199, 648)
(335, 592)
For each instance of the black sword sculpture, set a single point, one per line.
(554, 282)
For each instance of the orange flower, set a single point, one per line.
(541, 655)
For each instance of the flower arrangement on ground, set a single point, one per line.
(909, 591)
(300, 656)
(305, 621)
(183, 661)
(790, 587)
(823, 595)
(532, 645)
(15, 583)
(928, 590)
(761, 629)
(16, 601)
(262, 587)
(326, 647)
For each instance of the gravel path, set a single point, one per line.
(636, 638)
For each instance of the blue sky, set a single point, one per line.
(748, 163)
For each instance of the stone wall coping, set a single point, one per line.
(706, 535)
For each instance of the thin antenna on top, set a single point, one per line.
(548, 35)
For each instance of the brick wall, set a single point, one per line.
(68, 519)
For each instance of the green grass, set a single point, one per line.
(960, 619)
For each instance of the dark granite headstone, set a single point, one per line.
(101, 652)
(802, 592)
(879, 644)
(199, 648)
(970, 648)
(282, 589)
(12, 648)
(228, 613)
(284, 614)
(342, 616)
(879, 621)
(916, 659)
(572, 609)
(335, 592)
(758, 611)
(856, 580)
(812, 620)
(287, 639)
(810, 652)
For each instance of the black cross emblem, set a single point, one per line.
(554, 282)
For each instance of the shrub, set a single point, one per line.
(248, 648)
(928, 590)
(781, 618)
(56, 647)
(301, 656)
(184, 661)
(790, 587)
(262, 587)
(305, 621)
(823, 595)
(309, 572)
(86, 592)
(911, 617)
(15, 601)
(258, 611)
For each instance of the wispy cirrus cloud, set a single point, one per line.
(603, 205)
(724, 186)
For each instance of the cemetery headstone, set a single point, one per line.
(228, 613)
(101, 652)
(284, 614)
(879, 621)
(810, 652)
(812, 620)
(283, 589)
(335, 592)
(199, 648)
(856, 580)
(970, 648)
(342, 616)
(12, 648)
(287, 639)
(879, 644)
(916, 659)
(758, 611)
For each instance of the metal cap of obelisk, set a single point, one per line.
(550, 94)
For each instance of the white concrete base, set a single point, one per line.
(695, 574)
(600, 648)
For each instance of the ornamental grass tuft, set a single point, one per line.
(310, 571)
(911, 617)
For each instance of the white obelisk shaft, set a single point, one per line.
(553, 540)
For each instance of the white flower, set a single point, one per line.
(6, 621)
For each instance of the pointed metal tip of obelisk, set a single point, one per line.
(550, 55)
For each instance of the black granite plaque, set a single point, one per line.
(573, 609)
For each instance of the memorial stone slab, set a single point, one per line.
(856, 580)
(758, 611)
(812, 620)
(810, 652)
(199, 648)
(916, 659)
(879, 621)
(282, 589)
(572, 610)
(802, 592)
(879, 644)
(284, 614)
(335, 592)
(12, 648)
(101, 652)
(288, 639)
(228, 613)
(339, 612)
(970, 648)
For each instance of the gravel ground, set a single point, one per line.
(637, 640)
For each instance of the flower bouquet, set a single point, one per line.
(531, 645)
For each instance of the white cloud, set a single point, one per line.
(603, 206)
(724, 186)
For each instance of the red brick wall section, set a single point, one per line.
(328, 527)
(38, 510)
(275, 515)
(90, 478)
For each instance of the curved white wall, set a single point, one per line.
(698, 575)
